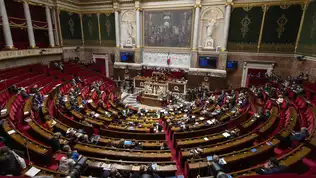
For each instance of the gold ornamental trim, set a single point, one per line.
(265, 9)
(304, 8)
(277, 47)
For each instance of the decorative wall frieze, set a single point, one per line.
(29, 52)
(207, 72)
(123, 65)
(161, 59)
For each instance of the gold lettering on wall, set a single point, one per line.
(282, 21)
(245, 22)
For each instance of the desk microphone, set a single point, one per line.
(27, 152)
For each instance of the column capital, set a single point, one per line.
(138, 9)
(198, 5)
(229, 4)
(117, 10)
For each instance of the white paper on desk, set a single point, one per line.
(213, 121)
(96, 115)
(106, 166)
(25, 113)
(80, 106)
(90, 101)
(28, 119)
(222, 161)
(225, 134)
(54, 122)
(32, 171)
(205, 138)
(11, 132)
(209, 122)
(135, 168)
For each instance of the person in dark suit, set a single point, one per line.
(55, 142)
(271, 167)
(300, 136)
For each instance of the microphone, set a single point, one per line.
(27, 153)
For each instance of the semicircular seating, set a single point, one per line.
(244, 127)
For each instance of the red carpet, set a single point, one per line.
(180, 171)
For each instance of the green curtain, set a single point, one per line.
(244, 28)
(307, 43)
(90, 29)
(70, 28)
(107, 26)
(281, 28)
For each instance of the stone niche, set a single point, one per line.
(211, 27)
(128, 28)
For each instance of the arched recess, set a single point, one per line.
(128, 18)
(208, 14)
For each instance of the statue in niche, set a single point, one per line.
(209, 41)
(129, 32)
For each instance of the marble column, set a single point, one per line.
(226, 25)
(6, 26)
(50, 27)
(30, 31)
(56, 35)
(137, 27)
(117, 28)
(196, 26)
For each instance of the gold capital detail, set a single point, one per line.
(247, 8)
(245, 22)
(282, 21)
(197, 6)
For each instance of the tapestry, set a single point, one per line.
(107, 28)
(280, 28)
(90, 29)
(307, 43)
(169, 28)
(244, 28)
(70, 28)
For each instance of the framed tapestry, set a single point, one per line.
(169, 28)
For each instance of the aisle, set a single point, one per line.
(180, 171)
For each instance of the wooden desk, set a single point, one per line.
(37, 150)
(44, 172)
(128, 135)
(96, 166)
(125, 154)
(240, 159)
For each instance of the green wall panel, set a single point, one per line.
(107, 28)
(244, 29)
(70, 28)
(90, 29)
(307, 43)
(280, 28)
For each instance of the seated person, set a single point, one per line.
(74, 155)
(271, 167)
(55, 144)
(164, 146)
(65, 165)
(34, 89)
(67, 149)
(10, 162)
(280, 99)
(301, 135)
